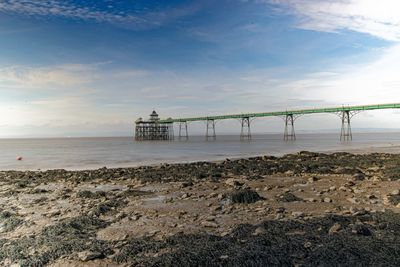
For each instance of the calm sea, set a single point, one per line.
(90, 153)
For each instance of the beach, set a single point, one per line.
(301, 209)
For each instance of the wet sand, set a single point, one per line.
(304, 209)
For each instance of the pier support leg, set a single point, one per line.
(289, 133)
(183, 127)
(345, 133)
(210, 134)
(245, 133)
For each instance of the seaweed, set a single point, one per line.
(69, 236)
(245, 196)
(284, 243)
(9, 221)
(107, 206)
(90, 194)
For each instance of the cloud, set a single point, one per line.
(377, 18)
(83, 11)
(55, 77)
(373, 82)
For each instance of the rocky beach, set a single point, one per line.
(303, 209)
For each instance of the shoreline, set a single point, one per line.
(209, 213)
(390, 148)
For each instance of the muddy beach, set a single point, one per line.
(304, 209)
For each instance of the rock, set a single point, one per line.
(186, 184)
(312, 179)
(361, 229)
(212, 195)
(234, 182)
(89, 255)
(210, 218)
(224, 257)
(310, 199)
(209, 224)
(259, 231)
(280, 210)
(335, 228)
(352, 200)
(289, 172)
(267, 188)
(395, 192)
(327, 200)
(297, 214)
(332, 188)
(359, 177)
(373, 201)
(185, 196)
(288, 197)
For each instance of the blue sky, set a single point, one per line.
(93, 67)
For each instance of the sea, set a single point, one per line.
(112, 152)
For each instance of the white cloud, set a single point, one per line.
(378, 18)
(55, 77)
(63, 9)
(83, 11)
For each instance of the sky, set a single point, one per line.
(92, 67)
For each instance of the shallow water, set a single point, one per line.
(90, 153)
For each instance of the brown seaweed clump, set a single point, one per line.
(245, 196)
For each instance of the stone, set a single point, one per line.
(310, 199)
(267, 188)
(359, 177)
(210, 218)
(259, 231)
(307, 244)
(312, 179)
(186, 184)
(209, 224)
(297, 214)
(395, 192)
(327, 200)
(343, 188)
(89, 255)
(352, 200)
(234, 182)
(335, 228)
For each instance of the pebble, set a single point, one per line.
(352, 200)
(359, 177)
(334, 229)
(297, 214)
(89, 255)
(327, 200)
(259, 231)
(209, 224)
(395, 192)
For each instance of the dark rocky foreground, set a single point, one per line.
(305, 209)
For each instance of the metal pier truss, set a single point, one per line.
(345, 113)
